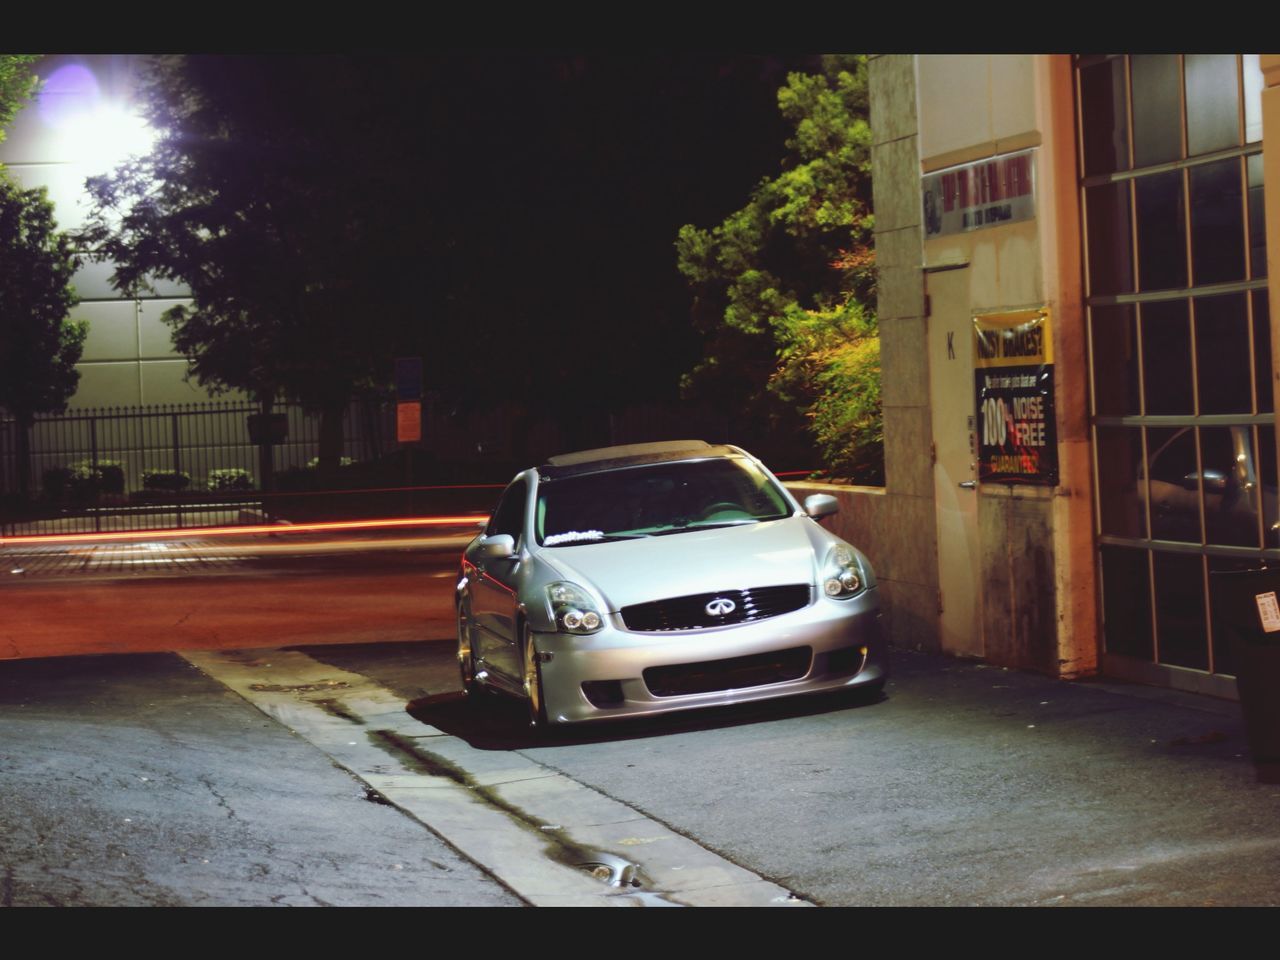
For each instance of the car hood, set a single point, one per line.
(701, 561)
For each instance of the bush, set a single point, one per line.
(314, 462)
(87, 478)
(830, 363)
(231, 478)
(172, 480)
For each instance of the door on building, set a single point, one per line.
(950, 344)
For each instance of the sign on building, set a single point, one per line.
(985, 193)
(1013, 380)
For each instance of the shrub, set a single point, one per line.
(86, 478)
(172, 480)
(314, 462)
(230, 478)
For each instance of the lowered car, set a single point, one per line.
(643, 579)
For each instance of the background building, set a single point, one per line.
(83, 122)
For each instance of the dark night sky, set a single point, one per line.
(568, 178)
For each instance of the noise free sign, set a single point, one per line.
(1013, 381)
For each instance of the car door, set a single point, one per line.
(493, 596)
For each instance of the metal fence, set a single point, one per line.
(125, 468)
(92, 468)
(195, 439)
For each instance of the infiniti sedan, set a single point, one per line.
(643, 579)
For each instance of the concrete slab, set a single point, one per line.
(528, 825)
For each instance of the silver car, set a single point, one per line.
(638, 580)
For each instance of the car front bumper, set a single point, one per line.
(844, 639)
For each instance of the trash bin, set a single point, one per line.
(1246, 613)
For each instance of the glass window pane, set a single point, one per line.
(1157, 109)
(1213, 102)
(1105, 126)
(1217, 223)
(1114, 337)
(1121, 505)
(1175, 487)
(1222, 354)
(1257, 219)
(1262, 352)
(1230, 484)
(1252, 98)
(1166, 357)
(1110, 239)
(1126, 603)
(1162, 232)
(1180, 619)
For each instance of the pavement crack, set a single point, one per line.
(317, 900)
(222, 801)
(183, 619)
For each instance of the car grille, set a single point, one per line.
(732, 674)
(690, 613)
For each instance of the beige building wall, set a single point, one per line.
(1008, 568)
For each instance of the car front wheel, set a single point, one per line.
(532, 680)
(466, 651)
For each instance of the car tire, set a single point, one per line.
(537, 706)
(471, 687)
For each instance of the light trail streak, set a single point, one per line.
(177, 533)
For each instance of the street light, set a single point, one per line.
(90, 128)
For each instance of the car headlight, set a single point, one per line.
(842, 575)
(572, 608)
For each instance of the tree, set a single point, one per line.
(281, 192)
(783, 287)
(17, 84)
(39, 345)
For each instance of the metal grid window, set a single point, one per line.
(1179, 342)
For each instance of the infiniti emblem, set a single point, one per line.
(720, 607)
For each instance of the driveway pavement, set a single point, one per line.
(138, 780)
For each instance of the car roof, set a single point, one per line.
(630, 455)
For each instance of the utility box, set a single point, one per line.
(1246, 613)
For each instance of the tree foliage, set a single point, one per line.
(39, 344)
(783, 287)
(279, 191)
(17, 84)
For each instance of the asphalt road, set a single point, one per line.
(967, 784)
(131, 598)
(135, 780)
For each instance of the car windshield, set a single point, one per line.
(655, 500)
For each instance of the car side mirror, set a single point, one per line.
(821, 505)
(500, 546)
